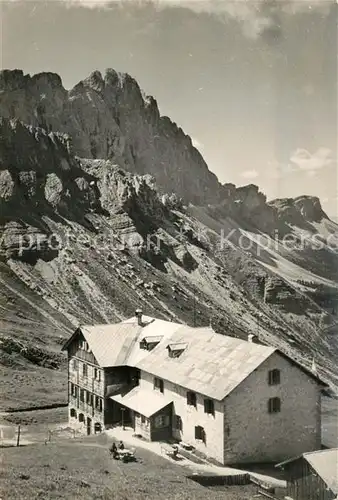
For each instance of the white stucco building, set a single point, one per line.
(235, 401)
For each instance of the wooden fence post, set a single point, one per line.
(18, 437)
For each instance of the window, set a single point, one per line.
(84, 345)
(149, 343)
(161, 421)
(89, 399)
(73, 412)
(274, 405)
(178, 423)
(98, 403)
(158, 384)
(143, 419)
(82, 395)
(81, 417)
(175, 350)
(97, 374)
(85, 370)
(274, 377)
(74, 364)
(73, 390)
(200, 433)
(209, 406)
(191, 399)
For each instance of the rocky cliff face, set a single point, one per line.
(85, 240)
(110, 118)
(300, 211)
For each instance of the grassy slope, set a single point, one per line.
(82, 469)
(25, 316)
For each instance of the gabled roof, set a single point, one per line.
(152, 339)
(111, 344)
(324, 462)
(211, 364)
(178, 346)
(118, 344)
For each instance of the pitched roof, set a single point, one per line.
(325, 463)
(118, 344)
(145, 402)
(212, 364)
(111, 344)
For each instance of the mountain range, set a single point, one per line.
(106, 206)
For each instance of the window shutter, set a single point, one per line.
(277, 404)
(270, 406)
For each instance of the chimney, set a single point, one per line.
(138, 314)
(250, 337)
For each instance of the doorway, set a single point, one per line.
(89, 425)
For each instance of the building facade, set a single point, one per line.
(234, 401)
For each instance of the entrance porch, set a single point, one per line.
(149, 414)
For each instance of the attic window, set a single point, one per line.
(84, 345)
(148, 343)
(175, 350)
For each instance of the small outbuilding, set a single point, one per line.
(312, 476)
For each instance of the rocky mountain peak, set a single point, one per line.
(110, 117)
(300, 211)
(310, 208)
(16, 79)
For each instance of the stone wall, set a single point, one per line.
(252, 434)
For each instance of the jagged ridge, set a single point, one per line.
(125, 245)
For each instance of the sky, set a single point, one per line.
(254, 83)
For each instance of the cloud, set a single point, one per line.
(257, 17)
(250, 174)
(306, 161)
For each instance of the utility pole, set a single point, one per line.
(194, 309)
